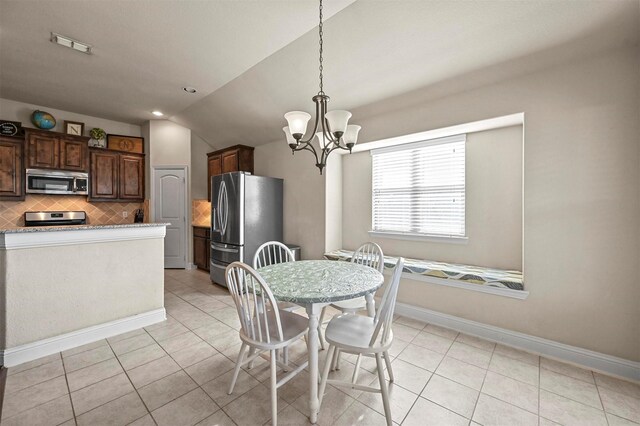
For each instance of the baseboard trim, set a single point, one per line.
(14, 356)
(583, 357)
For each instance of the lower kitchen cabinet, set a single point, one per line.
(201, 243)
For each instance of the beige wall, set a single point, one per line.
(20, 111)
(125, 278)
(493, 205)
(581, 196)
(199, 150)
(304, 195)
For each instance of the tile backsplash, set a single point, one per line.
(201, 213)
(102, 213)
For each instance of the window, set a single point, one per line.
(419, 188)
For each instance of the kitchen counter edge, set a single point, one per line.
(31, 229)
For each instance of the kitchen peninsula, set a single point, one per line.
(62, 287)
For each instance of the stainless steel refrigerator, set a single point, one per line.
(246, 211)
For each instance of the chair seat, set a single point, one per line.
(352, 332)
(293, 327)
(351, 305)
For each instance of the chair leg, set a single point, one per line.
(383, 389)
(325, 374)
(338, 360)
(252, 351)
(274, 389)
(356, 370)
(334, 360)
(237, 369)
(387, 360)
(320, 321)
(285, 358)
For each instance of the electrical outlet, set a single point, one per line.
(125, 214)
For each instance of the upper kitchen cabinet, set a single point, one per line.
(116, 176)
(52, 150)
(11, 168)
(238, 158)
(131, 177)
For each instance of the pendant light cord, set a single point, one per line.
(321, 92)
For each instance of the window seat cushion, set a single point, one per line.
(465, 273)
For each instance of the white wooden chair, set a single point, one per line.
(363, 335)
(263, 326)
(368, 254)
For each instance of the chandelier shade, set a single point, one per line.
(331, 128)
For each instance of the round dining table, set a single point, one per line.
(314, 284)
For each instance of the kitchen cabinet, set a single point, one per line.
(11, 168)
(52, 150)
(237, 158)
(116, 176)
(201, 245)
(131, 176)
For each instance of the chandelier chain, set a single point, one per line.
(321, 92)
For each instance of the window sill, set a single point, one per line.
(505, 292)
(419, 237)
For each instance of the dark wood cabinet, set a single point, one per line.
(104, 175)
(11, 169)
(238, 158)
(116, 176)
(73, 155)
(201, 243)
(52, 150)
(131, 176)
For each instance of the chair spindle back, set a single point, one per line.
(369, 254)
(257, 308)
(384, 315)
(272, 252)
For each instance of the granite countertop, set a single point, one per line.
(200, 225)
(76, 227)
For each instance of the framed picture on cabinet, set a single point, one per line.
(74, 128)
(126, 143)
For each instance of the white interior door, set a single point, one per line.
(169, 206)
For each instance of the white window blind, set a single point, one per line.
(419, 188)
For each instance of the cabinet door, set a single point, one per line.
(11, 182)
(131, 177)
(214, 168)
(230, 161)
(200, 252)
(43, 151)
(73, 155)
(104, 175)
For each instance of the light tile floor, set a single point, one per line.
(177, 373)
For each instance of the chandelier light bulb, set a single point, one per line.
(297, 121)
(351, 135)
(338, 120)
(290, 139)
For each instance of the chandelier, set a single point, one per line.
(331, 128)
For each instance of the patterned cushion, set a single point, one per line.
(466, 273)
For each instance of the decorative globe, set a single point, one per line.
(43, 120)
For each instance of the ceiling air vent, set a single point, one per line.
(71, 43)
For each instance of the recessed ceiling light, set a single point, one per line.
(189, 89)
(71, 43)
(157, 113)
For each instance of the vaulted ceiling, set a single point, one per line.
(252, 61)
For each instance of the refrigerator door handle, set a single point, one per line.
(223, 248)
(223, 208)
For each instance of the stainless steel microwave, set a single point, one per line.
(42, 181)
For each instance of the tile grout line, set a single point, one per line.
(475, 406)
(66, 380)
(600, 398)
(132, 385)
